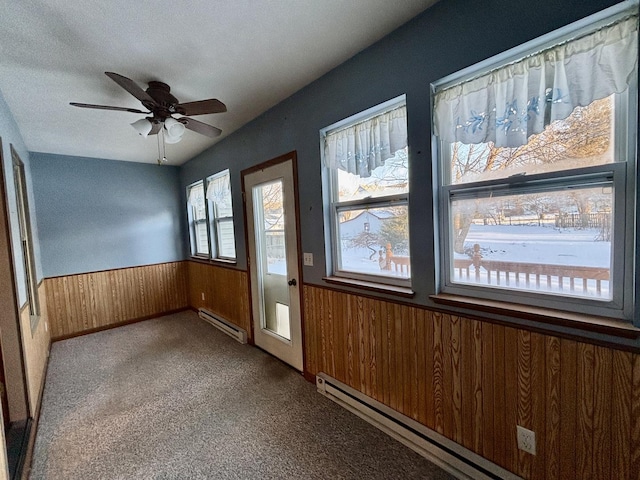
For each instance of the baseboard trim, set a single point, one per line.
(118, 324)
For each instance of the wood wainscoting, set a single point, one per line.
(88, 302)
(225, 290)
(473, 381)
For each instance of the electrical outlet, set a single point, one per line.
(308, 259)
(526, 440)
(202, 295)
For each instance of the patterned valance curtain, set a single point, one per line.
(196, 195)
(511, 103)
(361, 148)
(219, 190)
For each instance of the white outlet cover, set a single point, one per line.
(526, 440)
(308, 259)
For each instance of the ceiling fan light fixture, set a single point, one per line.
(142, 126)
(174, 128)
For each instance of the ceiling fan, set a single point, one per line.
(162, 106)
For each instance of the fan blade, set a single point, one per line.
(201, 107)
(131, 87)
(107, 107)
(200, 127)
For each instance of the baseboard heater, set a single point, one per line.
(227, 327)
(448, 455)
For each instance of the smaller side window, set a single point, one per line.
(223, 240)
(197, 213)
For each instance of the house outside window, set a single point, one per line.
(366, 190)
(537, 170)
(197, 213)
(223, 240)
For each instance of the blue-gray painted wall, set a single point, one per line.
(96, 214)
(10, 134)
(448, 37)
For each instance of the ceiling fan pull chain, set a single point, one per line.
(159, 152)
(164, 148)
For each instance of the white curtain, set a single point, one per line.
(219, 190)
(507, 105)
(361, 148)
(196, 196)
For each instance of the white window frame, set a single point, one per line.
(193, 240)
(622, 173)
(26, 239)
(333, 206)
(215, 221)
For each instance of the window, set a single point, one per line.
(198, 220)
(366, 188)
(26, 239)
(537, 170)
(223, 241)
(211, 218)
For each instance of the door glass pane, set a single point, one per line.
(282, 320)
(271, 258)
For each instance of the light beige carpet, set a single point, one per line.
(174, 398)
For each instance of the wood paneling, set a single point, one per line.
(92, 301)
(226, 292)
(474, 381)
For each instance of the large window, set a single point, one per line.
(198, 220)
(367, 186)
(537, 170)
(223, 240)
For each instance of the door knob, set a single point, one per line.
(292, 282)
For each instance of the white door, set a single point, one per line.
(273, 261)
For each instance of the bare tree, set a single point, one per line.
(582, 139)
(366, 240)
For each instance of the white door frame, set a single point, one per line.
(282, 168)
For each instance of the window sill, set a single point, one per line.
(590, 323)
(214, 261)
(371, 286)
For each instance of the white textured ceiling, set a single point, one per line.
(250, 54)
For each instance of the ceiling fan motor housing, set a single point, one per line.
(165, 102)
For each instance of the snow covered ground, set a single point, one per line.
(523, 244)
(545, 244)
